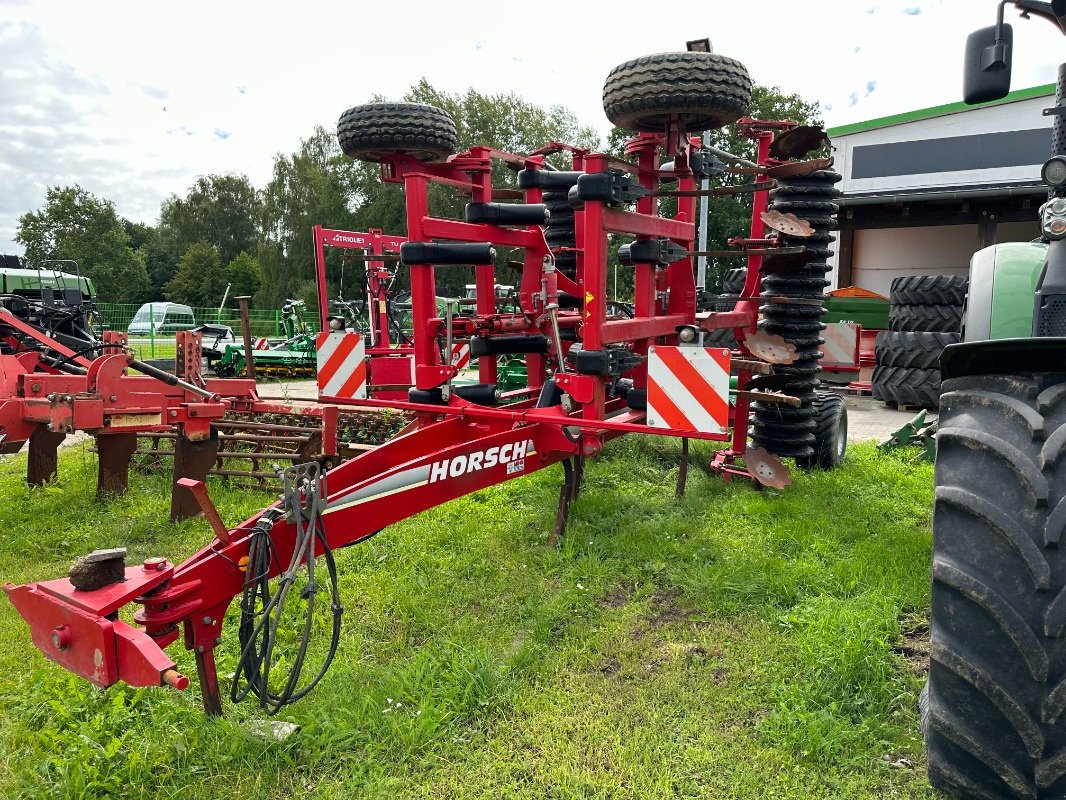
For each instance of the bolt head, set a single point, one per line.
(61, 638)
(207, 621)
(36, 387)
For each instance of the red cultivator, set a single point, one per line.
(590, 378)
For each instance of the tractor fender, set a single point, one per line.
(1004, 357)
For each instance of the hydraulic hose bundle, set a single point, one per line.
(261, 610)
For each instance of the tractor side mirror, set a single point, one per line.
(986, 73)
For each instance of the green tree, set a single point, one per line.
(75, 224)
(244, 274)
(309, 187)
(200, 279)
(221, 209)
(159, 261)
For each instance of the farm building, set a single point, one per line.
(925, 189)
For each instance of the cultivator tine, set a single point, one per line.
(114, 452)
(42, 465)
(766, 468)
(566, 495)
(208, 675)
(788, 224)
(682, 470)
(579, 477)
(798, 142)
(191, 460)
(770, 347)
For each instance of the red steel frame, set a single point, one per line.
(455, 448)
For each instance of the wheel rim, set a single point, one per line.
(841, 444)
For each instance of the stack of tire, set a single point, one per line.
(925, 316)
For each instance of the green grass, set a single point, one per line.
(734, 644)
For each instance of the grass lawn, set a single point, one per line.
(734, 644)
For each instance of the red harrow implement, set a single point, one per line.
(591, 378)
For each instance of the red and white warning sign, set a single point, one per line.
(341, 365)
(461, 354)
(840, 350)
(688, 388)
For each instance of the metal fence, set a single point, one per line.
(155, 339)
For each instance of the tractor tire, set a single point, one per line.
(830, 432)
(931, 319)
(993, 708)
(929, 290)
(912, 349)
(722, 337)
(907, 387)
(726, 302)
(733, 283)
(376, 131)
(704, 90)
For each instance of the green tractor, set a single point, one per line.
(60, 303)
(994, 709)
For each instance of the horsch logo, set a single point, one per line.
(513, 455)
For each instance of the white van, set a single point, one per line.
(161, 319)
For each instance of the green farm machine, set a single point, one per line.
(292, 355)
(994, 709)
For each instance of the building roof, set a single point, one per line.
(937, 111)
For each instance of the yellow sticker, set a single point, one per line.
(588, 301)
(381, 306)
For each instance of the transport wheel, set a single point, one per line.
(993, 709)
(704, 90)
(930, 318)
(929, 290)
(830, 432)
(907, 387)
(912, 349)
(375, 131)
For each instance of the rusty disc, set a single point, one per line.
(788, 224)
(766, 468)
(780, 264)
(770, 347)
(797, 142)
(797, 169)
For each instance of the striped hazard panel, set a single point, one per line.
(841, 346)
(688, 388)
(341, 365)
(461, 354)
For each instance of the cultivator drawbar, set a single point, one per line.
(590, 376)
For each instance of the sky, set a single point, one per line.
(134, 100)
